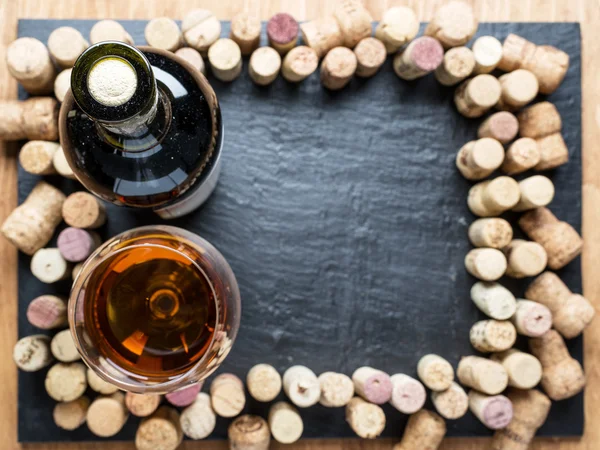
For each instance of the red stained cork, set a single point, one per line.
(75, 244)
(47, 312)
(427, 54)
(186, 396)
(282, 29)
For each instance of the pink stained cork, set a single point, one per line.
(373, 385)
(186, 396)
(427, 54)
(408, 394)
(497, 413)
(47, 312)
(282, 28)
(75, 244)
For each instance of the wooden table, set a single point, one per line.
(585, 11)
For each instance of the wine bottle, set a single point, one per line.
(142, 128)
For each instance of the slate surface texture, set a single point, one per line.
(345, 220)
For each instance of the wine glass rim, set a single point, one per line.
(75, 298)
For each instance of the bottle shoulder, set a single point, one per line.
(151, 169)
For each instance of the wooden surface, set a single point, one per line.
(585, 11)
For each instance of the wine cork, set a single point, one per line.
(299, 64)
(66, 382)
(322, 35)
(487, 264)
(109, 30)
(161, 431)
(478, 159)
(531, 318)
(99, 385)
(492, 198)
(487, 51)
(525, 258)
(201, 29)
(571, 313)
(337, 389)
(451, 404)
(76, 270)
(36, 118)
(36, 157)
(490, 232)
(560, 240)
(373, 385)
(184, 396)
(420, 57)
(562, 375)
(245, 31)
(285, 423)
(435, 372)
(28, 61)
(47, 312)
(494, 300)
(524, 370)
(522, 155)
(198, 420)
(408, 394)
(194, 57)
(457, 65)
(338, 68)
(530, 410)
(48, 266)
(225, 60)
(249, 432)
(265, 64)
(492, 336)
(453, 24)
(62, 84)
(263, 382)
(494, 411)
(282, 32)
(31, 225)
(71, 415)
(547, 63)
(63, 347)
(366, 419)
(32, 353)
(398, 26)
(553, 152)
(61, 166)
(536, 191)
(83, 210)
(301, 385)
(502, 126)
(481, 374)
(75, 244)
(141, 405)
(227, 395)
(540, 120)
(477, 95)
(354, 21)
(65, 45)
(106, 416)
(425, 430)
(370, 55)
(518, 89)
(163, 33)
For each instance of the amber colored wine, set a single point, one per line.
(150, 309)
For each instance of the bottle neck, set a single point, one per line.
(113, 84)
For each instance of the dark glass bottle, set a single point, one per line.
(142, 128)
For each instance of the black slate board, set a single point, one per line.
(345, 221)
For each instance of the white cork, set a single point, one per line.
(488, 53)
(112, 82)
(494, 300)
